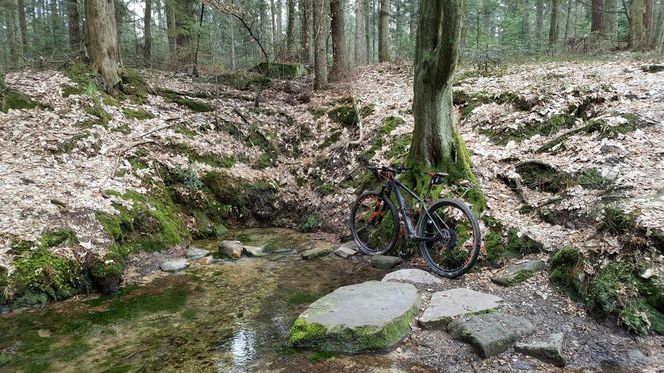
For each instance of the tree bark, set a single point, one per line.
(539, 20)
(568, 20)
(361, 10)
(340, 62)
(22, 25)
(525, 20)
(185, 19)
(649, 19)
(102, 41)
(611, 18)
(320, 28)
(147, 33)
(658, 34)
(597, 17)
(637, 32)
(273, 17)
(384, 33)
(306, 13)
(74, 27)
(18, 53)
(171, 28)
(436, 141)
(553, 26)
(290, 29)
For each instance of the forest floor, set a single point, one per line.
(567, 153)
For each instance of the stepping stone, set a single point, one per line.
(384, 261)
(174, 265)
(373, 315)
(491, 333)
(347, 249)
(317, 252)
(231, 249)
(254, 251)
(413, 276)
(549, 350)
(517, 274)
(206, 260)
(448, 304)
(195, 253)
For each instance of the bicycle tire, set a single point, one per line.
(474, 248)
(392, 232)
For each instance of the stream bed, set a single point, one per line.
(230, 316)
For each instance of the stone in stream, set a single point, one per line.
(254, 251)
(490, 333)
(231, 249)
(517, 274)
(317, 252)
(413, 276)
(373, 315)
(347, 249)
(385, 262)
(174, 265)
(549, 350)
(195, 253)
(448, 304)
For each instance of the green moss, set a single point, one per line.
(592, 179)
(389, 124)
(40, 271)
(302, 297)
(303, 332)
(326, 189)
(513, 246)
(69, 90)
(318, 113)
(58, 237)
(139, 160)
(138, 114)
(346, 115)
(184, 130)
(309, 223)
(398, 149)
(520, 277)
(13, 99)
(80, 73)
(207, 158)
(194, 105)
(105, 273)
(493, 244)
(619, 222)
(264, 161)
(331, 140)
(365, 111)
(98, 111)
(245, 198)
(541, 176)
(548, 127)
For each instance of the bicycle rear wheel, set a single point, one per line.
(457, 245)
(374, 223)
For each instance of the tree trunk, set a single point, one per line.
(198, 39)
(539, 20)
(658, 34)
(649, 19)
(147, 33)
(340, 62)
(18, 54)
(21, 22)
(185, 19)
(553, 27)
(102, 41)
(384, 33)
(436, 142)
(290, 29)
(74, 27)
(273, 17)
(568, 20)
(53, 16)
(597, 17)
(525, 21)
(169, 6)
(320, 28)
(637, 32)
(610, 18)
(361, 9)
(232, 34)
(280, 23)
(306, 13)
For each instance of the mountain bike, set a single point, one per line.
(447, 233)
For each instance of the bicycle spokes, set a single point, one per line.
(454, 241)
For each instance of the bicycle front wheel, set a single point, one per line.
(455, 237)
(374, 223)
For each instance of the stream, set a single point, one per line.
(230, 316)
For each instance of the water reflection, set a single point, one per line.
(242, 351)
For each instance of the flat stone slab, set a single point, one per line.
(385, 262)
(174, 265)
(549, 350)
(448, 304)
(254, 251)
(413, 276)
(490, 333)
(231, 249)
(317, 252)
(517, 274)
(373, 315)
(347, 249)
(195, 253)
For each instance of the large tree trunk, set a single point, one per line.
(306, 13)
(597, 18)
(102, 41)
(22, 25)
(320, 28)
(436, 141)
(171, 28)
(185, 20)
(290, 29)
(637, 32)
(18, 53)
(553, 27)
(74, 27)
(340, 62)
(568, 20)
(147, 33)
(658, 34)
(649, 19)
(539, 20)
(384, 33)
(611, 18)
(361, 9)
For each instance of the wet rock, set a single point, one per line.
(549, 350)
(373, 315)
(448, 304)
(491, 333)
(385, 261)
(195, 253)
(413, 276)
(317, 252)
(174, 265)
(254, 251)
(231, 249)
(347, 249)
(517, 274)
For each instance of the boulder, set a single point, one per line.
(195, 253)
(490, 333)
(174, 265)
(373, 315)
(448, 304)
(316, 252)
(413, 276)
(347, 249)
(254, 251)
(549, 350)
(231, 249)
(385, 262)
(517, 274)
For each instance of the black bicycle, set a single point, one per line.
(447, 233)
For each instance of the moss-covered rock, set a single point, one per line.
(541, 176)
(514, 245)
(345, 115)
(13, 99)
(105, 273)
(247, 199)
(139, 114)
(547, 127)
